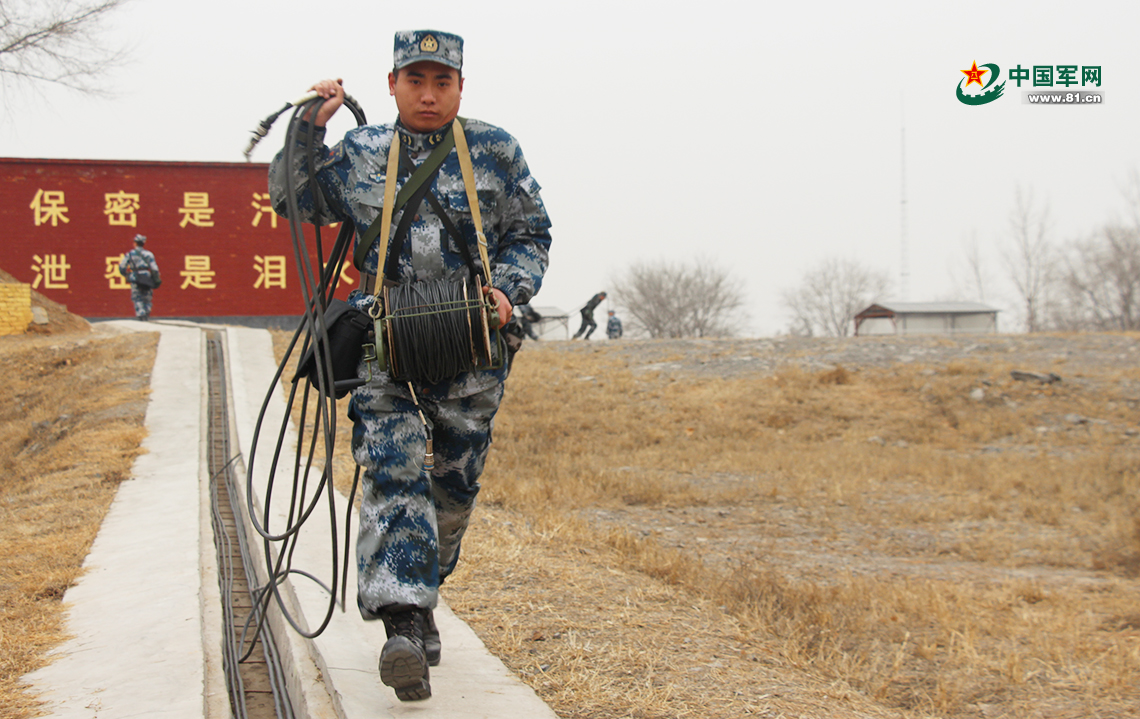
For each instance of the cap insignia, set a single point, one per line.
(429, 44)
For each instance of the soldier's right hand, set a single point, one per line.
(333, 93)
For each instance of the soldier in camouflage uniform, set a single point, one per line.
(141, 270)
(412, 520)
(613, 327)
(588, 323)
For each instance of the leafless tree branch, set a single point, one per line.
(1099, 286)
(1029, 259)
(680, 300)
(971, 279)
(56, 41)
(830, 295)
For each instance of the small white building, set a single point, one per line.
(926, 318)
(555, 323)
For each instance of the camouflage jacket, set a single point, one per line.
(352, 176)
(136, 260)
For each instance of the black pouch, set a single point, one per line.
(144, 280)
(348, 331)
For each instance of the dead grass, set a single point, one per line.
(937, 550)
(70, 428)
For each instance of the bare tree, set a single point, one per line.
(1132, 196)
(973, 279)
(1029, 259)
(1100, 283)
(680, 300)
(830, 295)
(56, 41)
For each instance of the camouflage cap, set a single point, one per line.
(140, 239)
(419, 45)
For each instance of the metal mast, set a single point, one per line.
(904, 261)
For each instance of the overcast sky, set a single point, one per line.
(765, 140)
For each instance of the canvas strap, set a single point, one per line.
(472, 198)
(385, 221)
(386, 211)
(423, 174)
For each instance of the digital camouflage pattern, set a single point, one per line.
(141, 297)
(411, 46)
(143, 300)
(515, 223)
(613, 327)
(412, 522)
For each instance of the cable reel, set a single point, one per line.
(432, 330)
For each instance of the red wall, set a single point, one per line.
(65, 223)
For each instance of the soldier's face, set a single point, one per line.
(427, 95)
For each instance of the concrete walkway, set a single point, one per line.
(146, 615)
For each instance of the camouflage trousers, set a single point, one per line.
(412, 521)
(141, 298)
(588, 325)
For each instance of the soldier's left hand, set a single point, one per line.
(503, 304)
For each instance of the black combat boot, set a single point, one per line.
(403, 662)
(432, 646)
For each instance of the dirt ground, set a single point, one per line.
(1004, 596)
(809, 551)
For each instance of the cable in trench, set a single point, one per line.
(235, 569)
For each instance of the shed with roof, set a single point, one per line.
(926, 318)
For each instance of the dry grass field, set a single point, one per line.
(71, 422)
(784, 527)
(815, 528)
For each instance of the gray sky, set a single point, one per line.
(763, 140)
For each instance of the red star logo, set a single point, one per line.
(974, 75)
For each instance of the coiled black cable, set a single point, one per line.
(317, 290)
(434, 330)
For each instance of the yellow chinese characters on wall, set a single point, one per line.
(48, 207)
(121, 208)
(196, 273)
(51, 272)
(270, 271)
(266, 209)
(115, 279)
(196, 210)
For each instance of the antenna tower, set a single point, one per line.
(904, 261)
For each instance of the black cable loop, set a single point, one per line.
(317, 289)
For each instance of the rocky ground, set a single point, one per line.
(1065, 353)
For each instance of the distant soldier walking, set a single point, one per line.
(588, 323)
(613, 327)
(141, 270)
